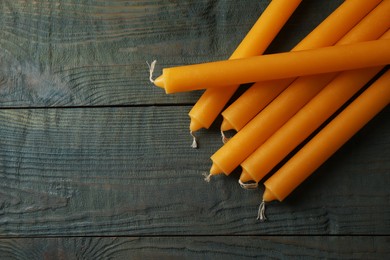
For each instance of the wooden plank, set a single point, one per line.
(130, 171)
(207, 247)
(94, 53)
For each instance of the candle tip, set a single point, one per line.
(226, 125)
(159, 81)
(214, 170)
(268, 195)
(245, 176)
(195, 125)
(194, 144)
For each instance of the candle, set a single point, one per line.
(311, 116)
(275, 66)
(256, 132)
(252, 101)
(255, 42)
(264, 125)
(306, 121)
(328, 140)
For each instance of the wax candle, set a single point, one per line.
(313, 114)
(255, 42)
(328, 140)
(252, 101)
(256, 132)
(275, 66)
(305, 122)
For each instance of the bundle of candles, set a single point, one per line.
(293, 93)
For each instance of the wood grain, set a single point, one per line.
(205, 247)
(96, 163)
(130, 171)
(94, 53)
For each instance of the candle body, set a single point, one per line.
(305, 122)
(261, 127)
(252, 101)
(275, 66)
(311, 116)
(255, 42)
(329, 140)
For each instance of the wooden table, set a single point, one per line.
(95, 162)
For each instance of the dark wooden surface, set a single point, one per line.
(95, 162)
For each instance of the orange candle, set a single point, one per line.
(311, 116)
(275, 66)
(328, 140)
(305, 122)
(251, 102)
(264, 125)
(255, 42)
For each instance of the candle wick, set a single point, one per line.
(151, 70)
(224, 138)
(261, 213)
(207, 177)
(194, 142)
(248, 185)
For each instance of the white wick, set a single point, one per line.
(261, 213)
(248, 186)
(151, 70)
(194, 142)
(207, 177)
(224, 138)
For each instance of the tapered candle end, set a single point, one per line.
(195, 125)
(159, 81)
(245, 176)
(268, 195)
(226, 126)
(214, 170)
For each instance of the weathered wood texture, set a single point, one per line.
(209, 247)
(91, 172)
(89, 148)
(77, 53)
